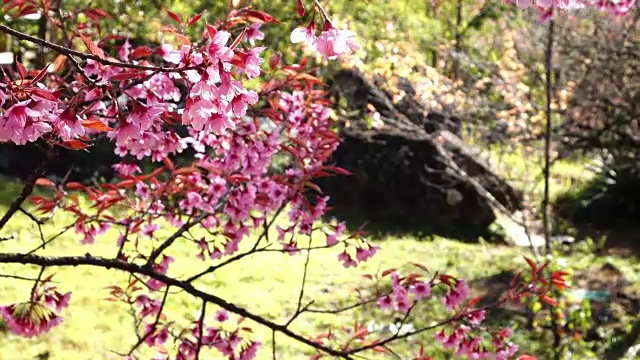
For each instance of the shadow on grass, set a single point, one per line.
(382, 225)
(600, 210)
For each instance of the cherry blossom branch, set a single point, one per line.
(106, 263)
(171, 239)
(200, 329)
(155, 323)
(70, 52)
(27, 189)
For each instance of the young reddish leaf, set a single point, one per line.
(257, 16)
(526, 357)
(387, 272)
(125, 76)
(41, 74)
(168, 163)
(45, 94)
(75, 145)
(185, 170)
(420, 266)
(58, 63)
(337, 170)
(559, 274)
(274, 60)
(96, 125)
(21, 69)
(379, 349)
(194, 19)
(175, 17)
(211, 31)
(96, 14)
(474, 301)
(45, 182)
(75, 186)
(538, 270)
(300, 8)
(92, 47)
(531, 263)
(27, 10)
(548, 300)
(140, 52)
(236, 42)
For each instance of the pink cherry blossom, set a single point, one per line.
(253, 33)
(222, 316)
(251, 61)
(69, 125)
(169, 54)
(455, 297)
(3, 97)
(334, 42)
(29, 319)
(306, 35)
(421, 290)
(476, 317)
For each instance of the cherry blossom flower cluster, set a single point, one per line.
(39, 315)
(154, 104)
(545, 8)
(331, 43)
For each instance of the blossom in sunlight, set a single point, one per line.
(455, 297)
(335, 42)
(253, 33)
(29, 319)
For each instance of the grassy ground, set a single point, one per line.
(267, 284)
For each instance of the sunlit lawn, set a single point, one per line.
(267, 284)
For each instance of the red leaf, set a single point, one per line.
(140, 52)
(169, 164)
(92, 47)
(548, 300)
(559, 274)
(41, 74)
(474, 301)
(274, 61)
(211, 31)
(420, 266)
(45, 182)
(538, 270)
(185, 170)
(175, 17)
(387, 272)
(21, 69)
(27, 10)
(531, 263)
(194, 19)
(300, 8)
(75, 186)
(125, 76)
(74, 145)
(337, 170)
(43, 94)
(238, 39)
(59, 62)
(96, 14)
(379, 349)
(257, 16)
(96, 125)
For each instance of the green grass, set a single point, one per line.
(267, 284)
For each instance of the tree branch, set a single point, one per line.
(14, 258)
(70, 52)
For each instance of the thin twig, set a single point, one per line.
(70, 52)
